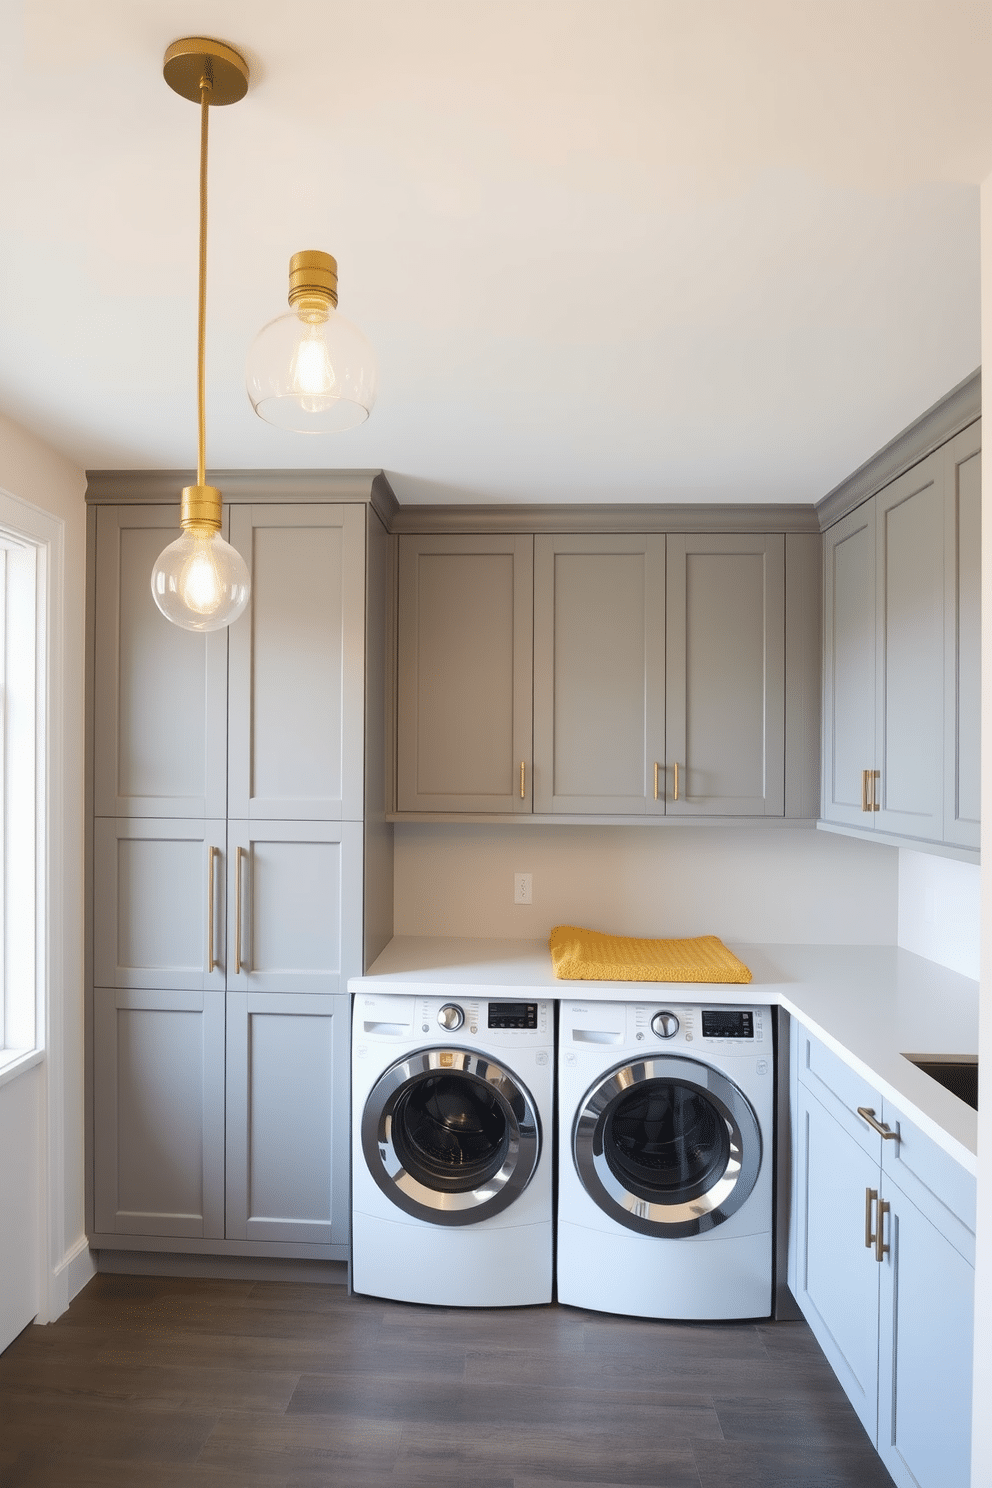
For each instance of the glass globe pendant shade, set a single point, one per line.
(312, 371)
(200, 582)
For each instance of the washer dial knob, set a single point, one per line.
(665, 1025)
(451, 1016)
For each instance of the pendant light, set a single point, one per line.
(312, 371)
(199, 581)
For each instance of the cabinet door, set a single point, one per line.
(849, 665)
(837, 1276)
(927, 1334)
(909, 654)
(160, 693)
(294, 906)
(287, 1118)
(599, 674)
(962, 637)
(158, 1098)
(298, 665)
(465, 665)
(725, 676)
(158, 903)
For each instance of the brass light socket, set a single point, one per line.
(200, 509)
(313, 284)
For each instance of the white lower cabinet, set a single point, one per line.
(287, 1118)
(883, 1267)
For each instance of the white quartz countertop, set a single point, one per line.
(870, 1004)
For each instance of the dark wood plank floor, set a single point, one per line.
(165, 1383)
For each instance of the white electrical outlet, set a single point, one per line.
(523, 888)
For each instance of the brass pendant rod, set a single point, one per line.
(206, 87)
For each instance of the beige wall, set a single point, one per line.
(743, 884)
(33, 472)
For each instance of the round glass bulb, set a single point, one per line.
(313, 376)
(200, 582)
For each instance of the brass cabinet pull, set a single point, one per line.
(239, 966)
(675, 792)
(881, 1249)
(871, 1195)
(213, 853)
(868, 1114)
(873, 775)
(656, 780)
(864, 790)
(523, 777)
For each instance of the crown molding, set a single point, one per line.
(609, 517)
(127, 487)
(948, 416)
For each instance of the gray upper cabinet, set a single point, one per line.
(599, 674)
(849, 670)
(909, 653)
(297, 665)
(725, 731)
(902, 654)
(962, 637)
(465, 615)
(160, 693)
(660, 669)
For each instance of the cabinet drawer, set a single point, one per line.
(925, 1172)
(841, 1089)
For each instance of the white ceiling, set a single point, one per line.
(637, 251)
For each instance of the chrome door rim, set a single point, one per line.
(409, 1193)
(688, 1217)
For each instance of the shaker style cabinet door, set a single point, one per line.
(836, 1273)
(159, 903)
(927, 1329)
(158, 1112)
(298, 665)
(287, 1118)
(294, 906)
(599, 674)
(160, 693)
(962, 637)
(465, 618)
(725, 675)
(909, 653)
(849, 668)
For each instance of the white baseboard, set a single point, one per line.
(68, 1278)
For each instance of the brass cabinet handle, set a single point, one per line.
(881, 1249)
(213, 853)
(871, 1195)
(864, 790)
(523, 777)
(239, 966)
(656, 780)
(873, 775)
(868, 1114)
(675, 792)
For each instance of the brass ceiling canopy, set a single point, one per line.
(189, 61)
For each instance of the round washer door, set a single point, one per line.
(668, 1146)
(450, 1136)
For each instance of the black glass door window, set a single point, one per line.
(450, 1132)
(665, 1141)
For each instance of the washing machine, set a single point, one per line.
(452, 1132)
(665, 1159)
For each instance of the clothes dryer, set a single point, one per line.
(665, 1159)
(452, 1127)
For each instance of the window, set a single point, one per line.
(29, 541)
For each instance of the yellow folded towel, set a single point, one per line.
(587, 955)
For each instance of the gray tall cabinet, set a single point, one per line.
(240, 872)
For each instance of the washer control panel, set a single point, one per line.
(513, 1015)
(728, 1023)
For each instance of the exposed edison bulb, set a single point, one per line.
(312, 375)
(200, 582)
